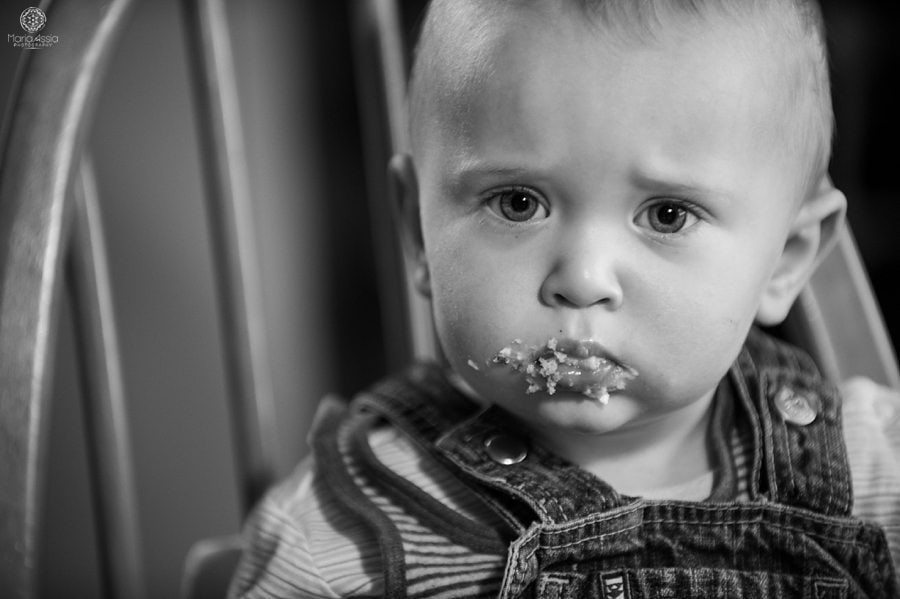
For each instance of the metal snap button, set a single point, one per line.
(505, 449)
(796, 408)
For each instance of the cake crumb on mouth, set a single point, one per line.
(548, 367)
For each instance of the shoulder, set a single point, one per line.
(871, 421)
(298, 544)
(872, 434)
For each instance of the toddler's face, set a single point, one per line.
(634, 196)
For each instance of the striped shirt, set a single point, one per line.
(302, 545)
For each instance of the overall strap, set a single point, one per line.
(412, 527)
(484, 448)
(422, 404)
(794, 418)
(337, 475)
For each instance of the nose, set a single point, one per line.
(583, 275)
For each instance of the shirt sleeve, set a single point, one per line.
(872, 433)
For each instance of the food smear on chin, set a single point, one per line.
(569, 365)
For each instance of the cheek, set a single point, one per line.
(464, 292)
(690, 322)
(699, 317)
(479, 302)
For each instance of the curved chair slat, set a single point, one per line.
(107, 435)
(381, 83)
(837, 319)
(47, 125)
(234, 247)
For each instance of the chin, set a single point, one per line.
(575, 413)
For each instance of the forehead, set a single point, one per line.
(547, 76)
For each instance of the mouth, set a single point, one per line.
(580, 366)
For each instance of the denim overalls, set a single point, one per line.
(565, 533)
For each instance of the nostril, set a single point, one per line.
(561, 300)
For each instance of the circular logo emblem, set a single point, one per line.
(32, 19)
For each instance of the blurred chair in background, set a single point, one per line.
(50, 227)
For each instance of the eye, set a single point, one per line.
(667, 217)
(518, 205)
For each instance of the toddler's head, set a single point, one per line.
(610, 187)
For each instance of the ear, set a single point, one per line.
(812, 234)
(403, 188)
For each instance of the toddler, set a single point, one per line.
(603, 198)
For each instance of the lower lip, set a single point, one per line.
(594, 384)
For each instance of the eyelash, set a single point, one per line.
(498, 201)
(688, 210)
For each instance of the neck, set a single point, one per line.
(660, 453)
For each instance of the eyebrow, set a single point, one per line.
(475, 170)
(653, 179)
(647, 178)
